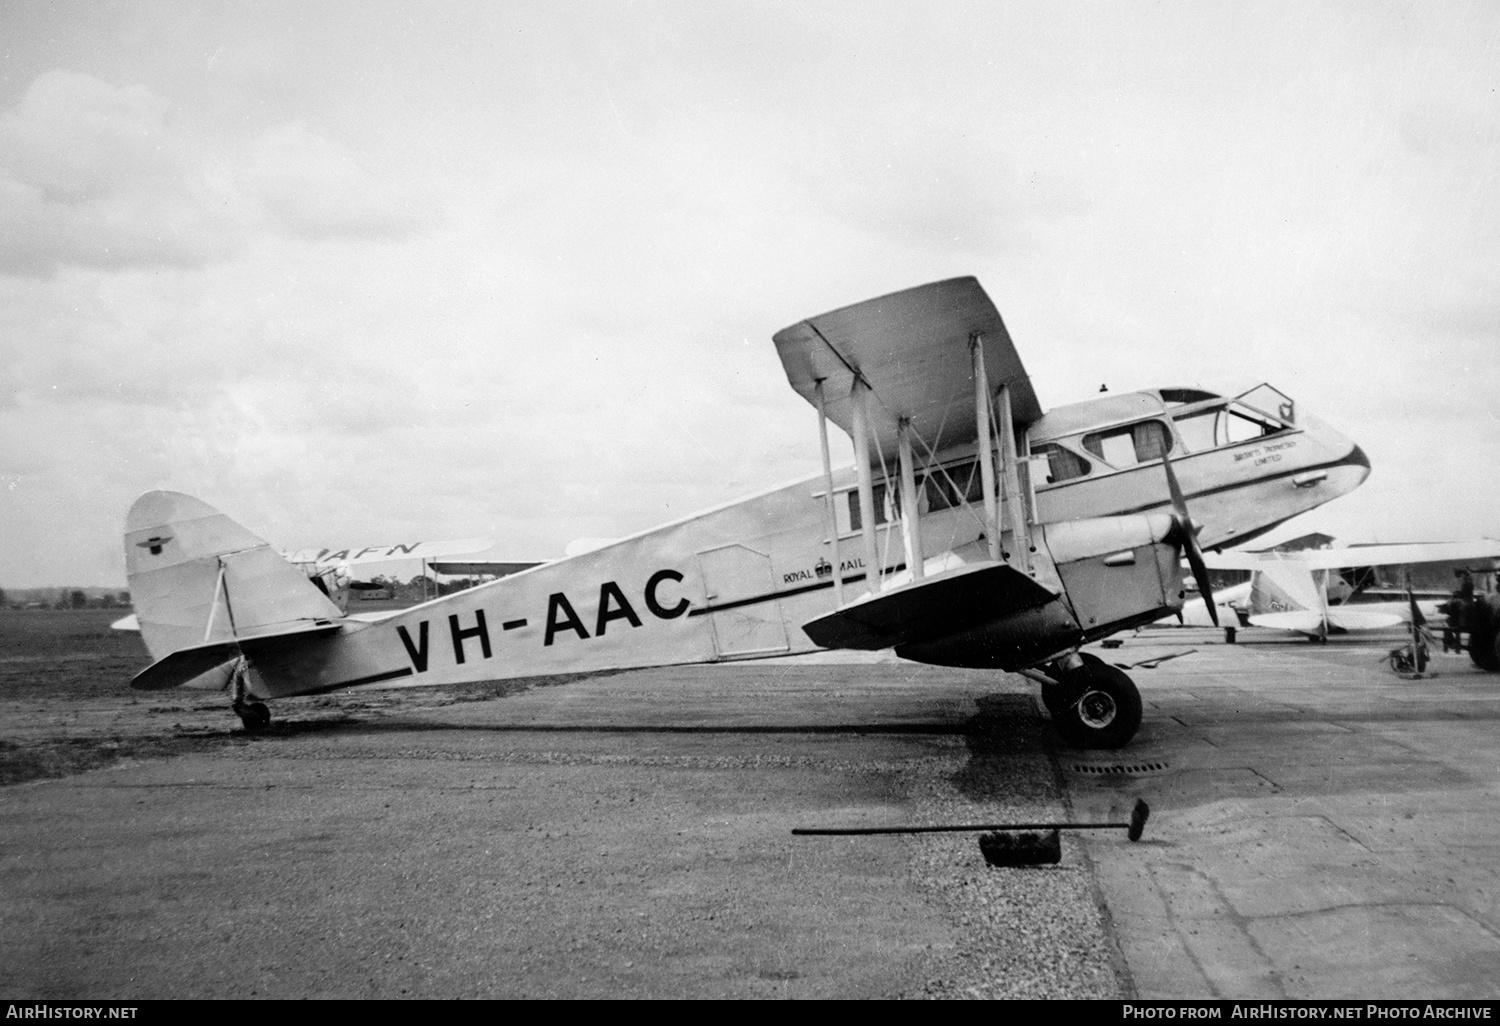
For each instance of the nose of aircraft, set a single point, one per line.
(1348, 465)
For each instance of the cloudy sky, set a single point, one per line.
(364, 273)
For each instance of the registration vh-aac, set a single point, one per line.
(974, 530)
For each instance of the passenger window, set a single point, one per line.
(884, 513)
(1062, 464)
(1197, 430)
(953, 486)
(1127, 446)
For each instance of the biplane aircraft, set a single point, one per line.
(974, 530)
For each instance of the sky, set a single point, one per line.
(359, 274)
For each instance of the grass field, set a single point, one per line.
(66, 652)
(66, 704)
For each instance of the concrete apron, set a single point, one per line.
(1320, 827)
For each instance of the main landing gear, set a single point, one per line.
(252, 713)
(1093, 704)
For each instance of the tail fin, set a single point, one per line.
(199, 579)
(1285, 595)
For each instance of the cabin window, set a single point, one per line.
(1223, 425)
(884, 509)
(1129, 445)
(1197, 430)
(1240, 425)
(952, 486)
(1062, 464)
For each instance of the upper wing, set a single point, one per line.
(388, 553)
(912, 349)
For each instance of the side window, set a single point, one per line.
(884, 513)
(1197, 429)
(1062, 465)
(1241, 425)
(1224, 425)
(1127, 446)
(953, 486)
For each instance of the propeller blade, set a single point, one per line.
(1190, 547)
(1200, 574)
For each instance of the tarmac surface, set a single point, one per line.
(1320, 828)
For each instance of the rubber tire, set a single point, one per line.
(255, 716)
(1113, 699)
(1484, 644)
(1058, 699)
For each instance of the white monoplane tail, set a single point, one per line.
(974, 530)
(1302, 591)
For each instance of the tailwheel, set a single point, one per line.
(254, 715)
(1107, 710)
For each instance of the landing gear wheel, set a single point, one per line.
(1058, 697)
(1484, 644)
(254, 715)
(1107, 712)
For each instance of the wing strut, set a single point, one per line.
(859, 398)
(986, 446)
(1020, 527)
(911, 529)
(833, 519)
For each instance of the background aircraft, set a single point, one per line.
(1315, 591)
(974, 530)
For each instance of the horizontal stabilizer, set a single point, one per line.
(1348, 619)
(1304, 620)
(186, 663)
(931, 608)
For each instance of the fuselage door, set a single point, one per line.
(740, 590)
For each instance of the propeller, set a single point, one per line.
(1189, 539)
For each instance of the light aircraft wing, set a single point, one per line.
(1358, 555)
(912, 349)
(1394, 555)
(1240, 560)
(496, 567)
(388, 553)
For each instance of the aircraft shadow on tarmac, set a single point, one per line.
(1004, 726)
